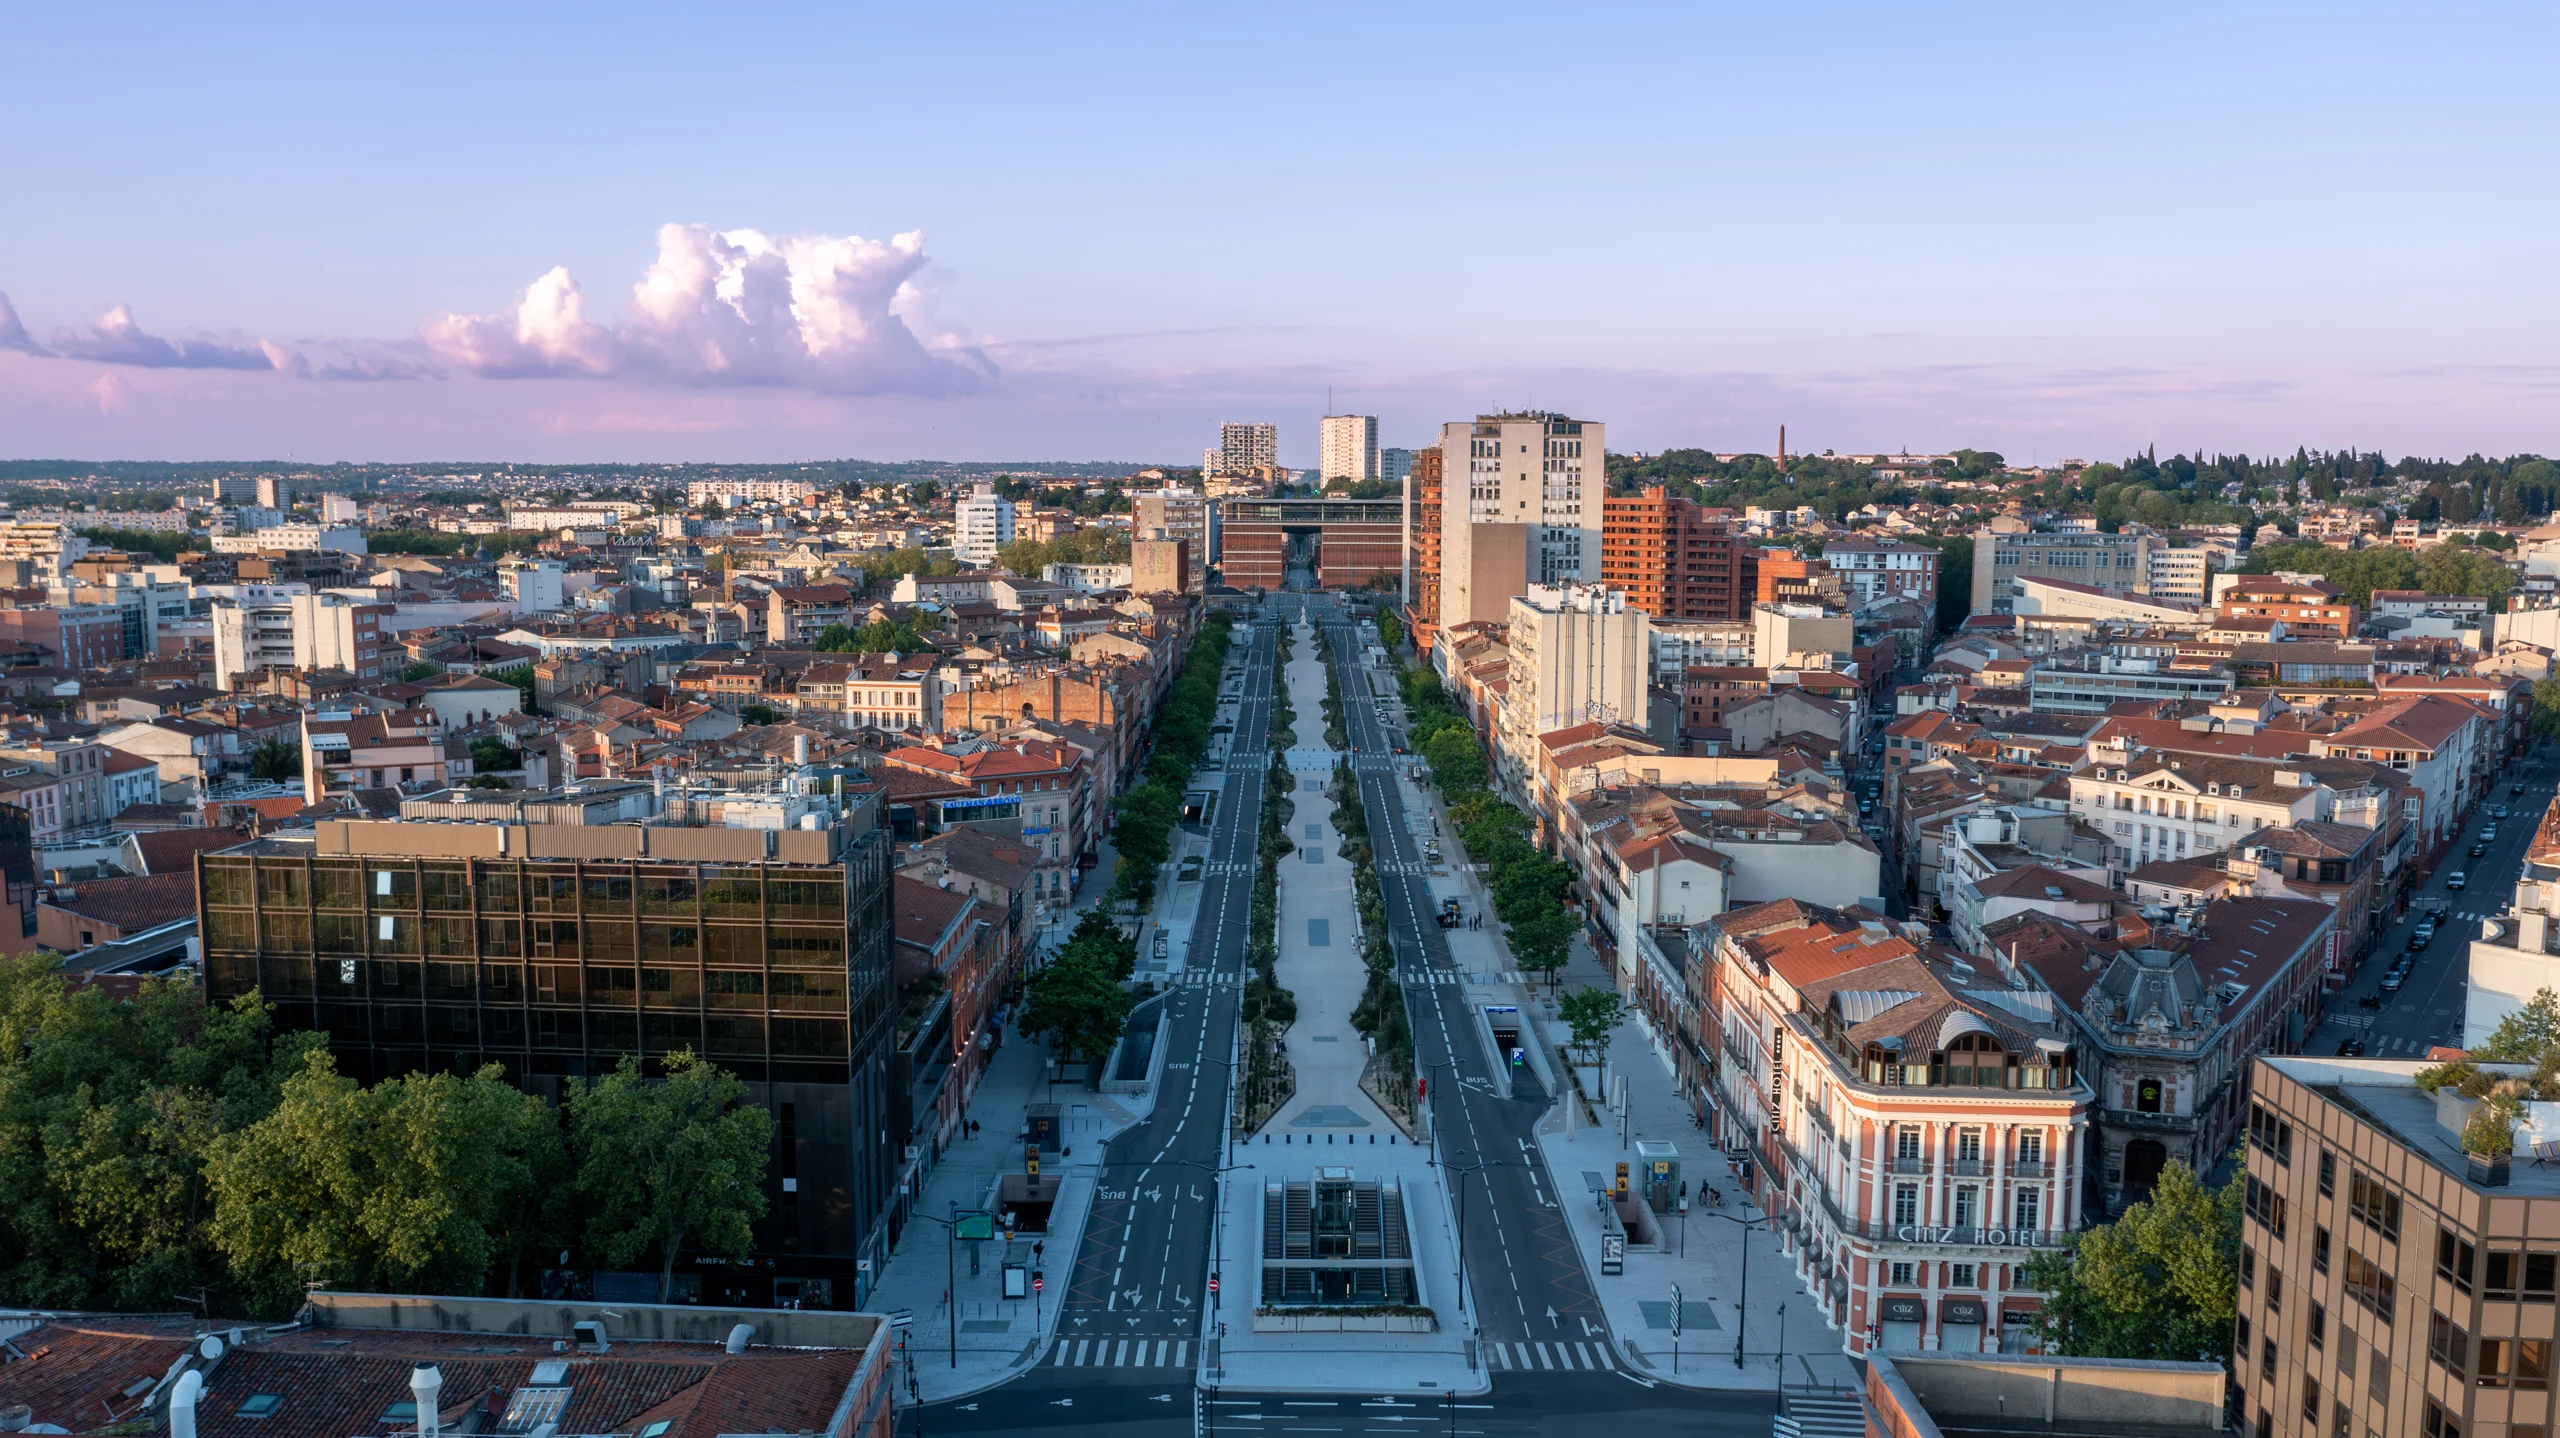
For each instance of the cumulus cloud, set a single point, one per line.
(117, 339)
(729, 307)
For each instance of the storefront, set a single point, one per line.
(1960, 1325)
(1901, 1320)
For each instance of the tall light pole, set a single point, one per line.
(1464, 1171)
(1742, 1307)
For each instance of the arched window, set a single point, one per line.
(1977, 1060)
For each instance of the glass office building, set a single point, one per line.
(554, 949)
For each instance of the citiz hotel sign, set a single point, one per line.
(1974, 1237)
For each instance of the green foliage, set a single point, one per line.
(275, 760)
(1591, 1014)
(2158, 1283)
(880, 636)
(1077, 1002)
(759, 713)
(164, 546)
(2356, 572)
(419, 672)
(1456, 759)
(2525, 1035)
(422, 1183)
(1143, 834)
(490, 755)
(108, 1110)
(1390, 632)
(889, 568)
(1834, 486)
(2491, 1129)
(668, 1163)
(1028, 557)
(1955, 578)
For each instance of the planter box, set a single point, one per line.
(1319, 1321)
(2489, 1172)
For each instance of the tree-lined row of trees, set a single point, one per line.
(1528, 888)
(1148, 812)
(156, 1153)
(2438, 569)
(1077, 1002)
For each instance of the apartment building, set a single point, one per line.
(2180, 574)
(1672, 561)
(1347, 447)
(1578, 653)
(1422, 546)
(982, 525)
(344, 752)
(1918, 1126)
(2307, 610)
(1183, 513)
(2447, 747)
(293, 539)
(798, 614)
(2115, 563)
(1533, 488)
(1244, 448)
(556, 933)
(331, 631)
(80, 636)
(2389, 1283)
(730, 492)
(1876, 570)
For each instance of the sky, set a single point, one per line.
(564, 233)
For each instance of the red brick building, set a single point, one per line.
(1348, 542)
(1672, 561)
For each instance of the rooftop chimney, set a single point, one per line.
(424, 1384)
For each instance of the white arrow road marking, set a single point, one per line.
(1062, 1403)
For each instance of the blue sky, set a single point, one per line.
(2047, 230)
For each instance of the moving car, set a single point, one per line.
(2497, 811)
(2349, 1048)
(2488, 833)
(2454, 881)
(2479, 849)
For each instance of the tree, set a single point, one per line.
(662, 1164)
(759, 714)
(2159, 1282)
(422, 1181)
(1592, 1013)
(1077, 1004)
(419, 672)
(1456, 760)
(490, 755)
(1390, 632)
(275, 760)
(108, 1108)
(2525, 1035)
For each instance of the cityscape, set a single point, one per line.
(1828, 818)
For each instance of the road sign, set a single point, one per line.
(1038, 1283)
(902, 1318)
(1622, 1179)
(1613, 1254)
(975, 1226)
(1213, 1283)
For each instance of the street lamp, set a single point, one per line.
(1742, 1307)
(952, 1226)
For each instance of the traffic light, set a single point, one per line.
(1622, 1178)
(1031, 1159)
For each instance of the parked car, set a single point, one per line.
(2423, 935)
(2391, 981)
(2488, 833)
(2350, 1048)
(2454, 881)
(2514, 789)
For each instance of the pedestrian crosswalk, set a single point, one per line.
(1201, 979)
(1534, 1357)
(1121, 1353)
(1455, 977)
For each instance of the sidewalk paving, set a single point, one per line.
(1703, 1253)
(996, 1337)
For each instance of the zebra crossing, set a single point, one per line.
(1121, 1353)
(1453, 977)
(1548, 1357)
(1201, 979)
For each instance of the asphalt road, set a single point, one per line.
(1524, 1277)
(2428, 1008)
(1139, 1272)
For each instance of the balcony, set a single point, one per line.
(1911, 1165)
(2030, 1168)
(1968, 1168)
